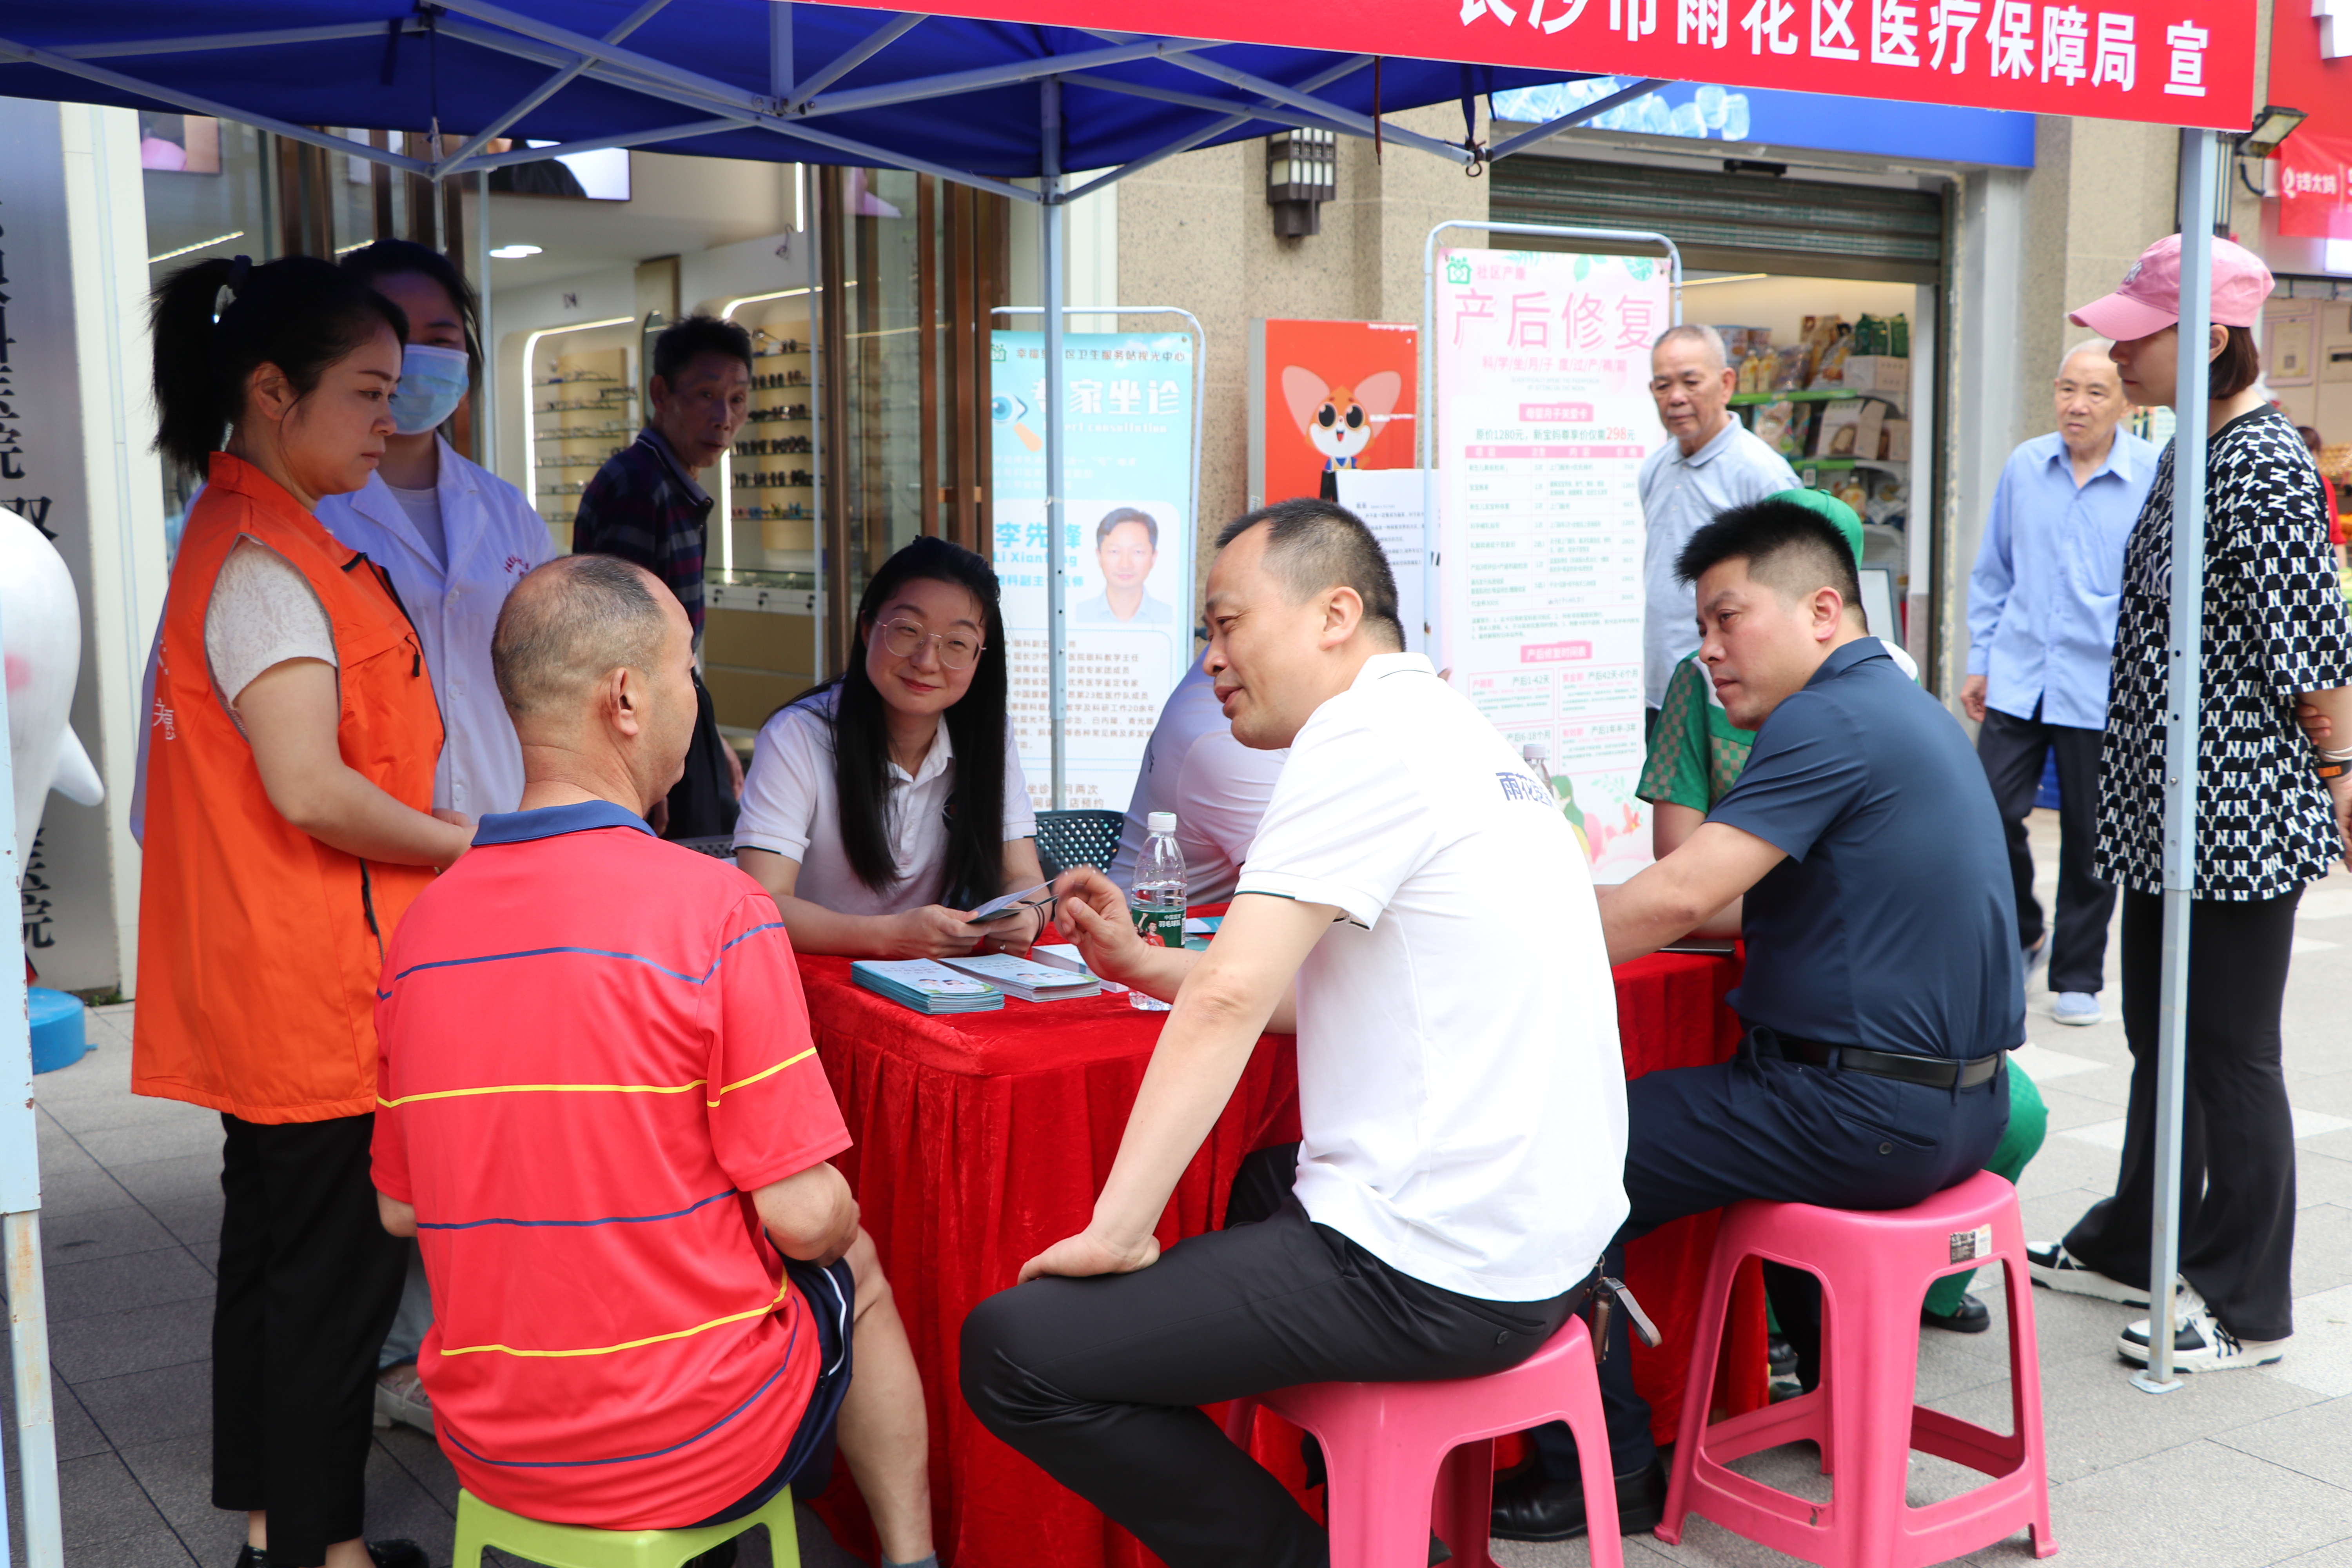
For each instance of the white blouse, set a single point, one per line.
(791, 808)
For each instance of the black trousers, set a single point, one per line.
(2011, 750)
(1760, 1126)
(1099, 1380)
(2237, 1137)
(309, 1283)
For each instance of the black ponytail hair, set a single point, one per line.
(398, 257)
(974, 871)
(300, 314)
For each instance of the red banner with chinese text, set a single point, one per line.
(2169, 62)
(2315, 184)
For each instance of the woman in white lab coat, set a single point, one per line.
(454, 536)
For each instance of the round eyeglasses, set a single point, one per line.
(956, 651)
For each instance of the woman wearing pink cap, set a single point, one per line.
(2272, 817)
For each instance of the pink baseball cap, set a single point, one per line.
(2148, 298)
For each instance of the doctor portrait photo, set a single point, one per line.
(1127, 550)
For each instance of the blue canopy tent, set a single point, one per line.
(982, 103)
(732, 79)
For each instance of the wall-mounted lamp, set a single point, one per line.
(1302, 173)
(2272, 125)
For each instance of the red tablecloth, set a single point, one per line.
(981, 1138)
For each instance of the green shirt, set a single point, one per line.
(1697, 753)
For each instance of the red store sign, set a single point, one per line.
(2168, 62)
(2315, 164)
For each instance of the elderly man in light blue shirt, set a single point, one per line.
(2041, 632)
(1711, 463)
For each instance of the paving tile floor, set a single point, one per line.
(2231, 1471)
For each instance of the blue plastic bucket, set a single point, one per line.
(59, 1038)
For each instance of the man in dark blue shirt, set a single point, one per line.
(1884, 984)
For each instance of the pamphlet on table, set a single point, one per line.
(924, 985)
(1029, 982)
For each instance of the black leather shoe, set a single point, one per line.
(397, 1553)
(1972, 1317)
(253, 1557)
(1527, 1507)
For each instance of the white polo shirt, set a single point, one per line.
(1460, 1083)
(791, 808)
(1216, 787)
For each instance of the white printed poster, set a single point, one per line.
(1126, 549)
(1390, 502)
(1543, 365)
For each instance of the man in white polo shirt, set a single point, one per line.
(1460, 1084)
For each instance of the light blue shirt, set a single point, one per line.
(2049, 577)
(1680, 496)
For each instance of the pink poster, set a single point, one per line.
(1543, 366)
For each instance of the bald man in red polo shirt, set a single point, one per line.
(600, 1113)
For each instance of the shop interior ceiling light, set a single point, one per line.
(1302, 173)
(514, 252)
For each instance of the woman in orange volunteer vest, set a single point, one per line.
(288, 777)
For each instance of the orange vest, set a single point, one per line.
(258, 946)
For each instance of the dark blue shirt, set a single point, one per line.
(1892, 924)
(643, 506)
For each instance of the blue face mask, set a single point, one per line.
(433, 382)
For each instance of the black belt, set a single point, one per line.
(1934, 1072)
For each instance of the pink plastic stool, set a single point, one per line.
(1874, 1269)
(1386, 1445)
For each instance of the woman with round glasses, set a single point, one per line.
(884, 805)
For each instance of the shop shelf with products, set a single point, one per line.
(582, 394)
(760, 639)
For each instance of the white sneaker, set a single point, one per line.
(2080, 1008)
(2051, 1264)
(2199, 1343)
(400, 1396)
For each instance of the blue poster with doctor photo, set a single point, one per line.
(1127, 548)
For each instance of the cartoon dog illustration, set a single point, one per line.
(1339, 422)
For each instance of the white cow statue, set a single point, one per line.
(40, 636)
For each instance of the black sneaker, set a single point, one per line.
(2051, 1264)
(2199, 1343)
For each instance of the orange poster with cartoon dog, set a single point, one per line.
(1327, 396)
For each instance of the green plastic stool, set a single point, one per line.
(576, 1546)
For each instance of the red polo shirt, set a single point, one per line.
(595, 1046)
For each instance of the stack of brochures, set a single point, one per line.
(926, 986)
(1030, 982)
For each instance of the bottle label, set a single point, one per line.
(1159, 928)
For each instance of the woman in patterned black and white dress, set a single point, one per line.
(2272, 813)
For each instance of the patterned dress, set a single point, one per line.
(2276, 626)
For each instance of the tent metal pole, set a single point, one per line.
(1574, 117)
(487, 442)
(20, 1224)
(14, 53)
(1049, 214)
(1424, 412)
(2184, 682)
(551, 86)
(1186, 143)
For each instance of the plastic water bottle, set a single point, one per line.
(1537, 756)
(1156, 902)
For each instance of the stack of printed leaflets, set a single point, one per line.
(1030, 982)
(924, 985)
